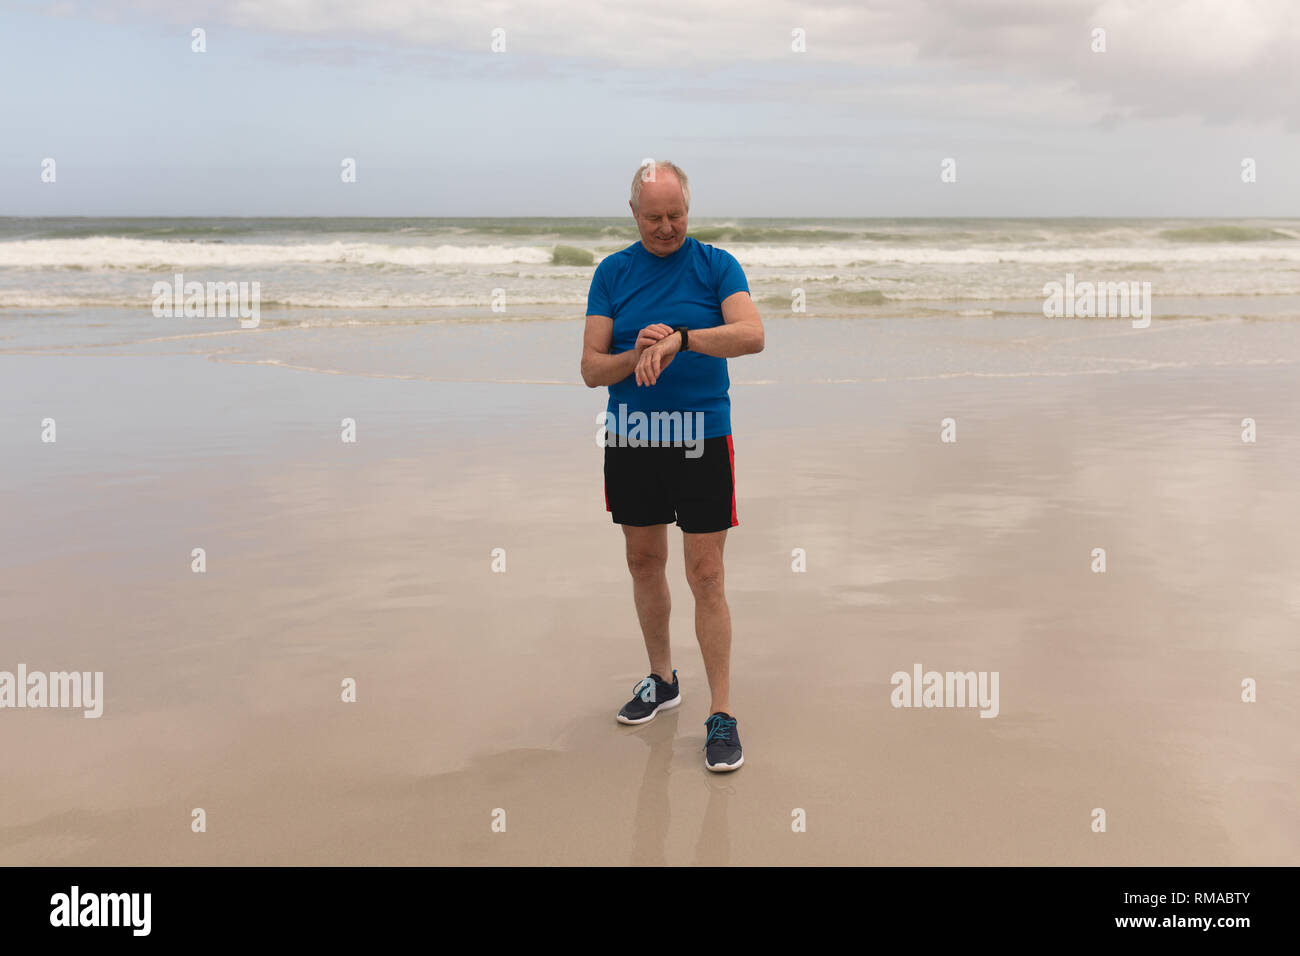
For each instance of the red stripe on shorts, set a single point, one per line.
(731, 454)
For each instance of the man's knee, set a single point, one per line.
(646, 563)
(705, 577)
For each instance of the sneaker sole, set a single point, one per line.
(668, 705)
(724, 767)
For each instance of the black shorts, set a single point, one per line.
(661, 485)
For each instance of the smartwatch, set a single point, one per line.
(686, 346)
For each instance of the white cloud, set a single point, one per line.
(1226, 61)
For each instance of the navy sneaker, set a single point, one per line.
(722, 746)
(652, 694)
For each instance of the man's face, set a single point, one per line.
(662, 215)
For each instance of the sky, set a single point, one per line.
(858, 122)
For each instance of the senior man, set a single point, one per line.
(663, 317)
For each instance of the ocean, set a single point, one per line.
(502, 300)
(325, 271)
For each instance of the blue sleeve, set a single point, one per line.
(729, 278)
(598, 295)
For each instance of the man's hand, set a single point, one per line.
(649, 336)
(657, 357)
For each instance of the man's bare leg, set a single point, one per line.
(712, 616)
(647, 559)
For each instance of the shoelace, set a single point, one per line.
(720, 728)
(645, 689)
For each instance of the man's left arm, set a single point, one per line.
(741, 332)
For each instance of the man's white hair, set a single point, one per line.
(643, 173)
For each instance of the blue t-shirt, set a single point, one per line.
(636, 288)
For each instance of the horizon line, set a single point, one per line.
(4, 216)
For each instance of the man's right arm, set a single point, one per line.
(598, 366)
(601, 368)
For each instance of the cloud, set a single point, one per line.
(1229, 61)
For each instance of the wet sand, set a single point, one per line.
(479, 690)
